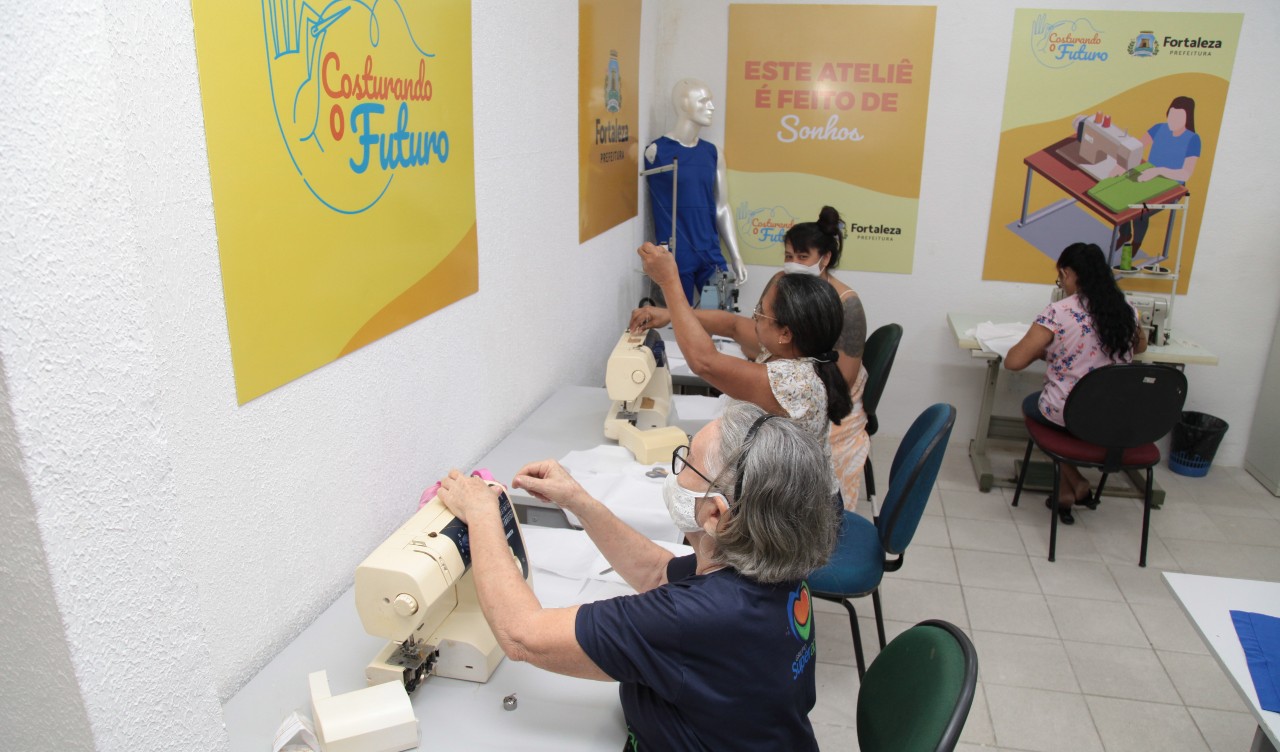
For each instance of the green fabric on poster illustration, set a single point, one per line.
(1119, 192)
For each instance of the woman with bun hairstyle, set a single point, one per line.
(814, 248)
(1093, 326)
(791, 339)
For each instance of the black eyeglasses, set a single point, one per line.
(680, 460)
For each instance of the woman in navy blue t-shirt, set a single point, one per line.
(716, 651)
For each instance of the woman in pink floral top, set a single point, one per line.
(1092, 326)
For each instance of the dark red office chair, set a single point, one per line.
(1113, 417)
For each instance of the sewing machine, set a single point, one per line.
(639, 384)
(1153, 315)
(1104, 146)
(416, 590)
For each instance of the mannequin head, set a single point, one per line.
(692, 101)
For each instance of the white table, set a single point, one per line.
(681, 375)
(1179, 352)
(570, 419)
(554, 712)
(1208, 602)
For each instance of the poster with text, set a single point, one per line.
(342, 165)
(1111, 123)
(826, 105)
(608, 91)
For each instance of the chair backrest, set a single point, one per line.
(877, 358)
(1126, 405)
(912, 475)
(918, 691)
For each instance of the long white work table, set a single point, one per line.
(1208, 602)
(553, 712)
(1178, 352)
(571, 419)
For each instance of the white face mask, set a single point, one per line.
(681, 503)
(794, 267)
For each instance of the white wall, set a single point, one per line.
(186, 540)
(1230, 303)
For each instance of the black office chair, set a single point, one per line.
(1113, 417)
(877, 358)
(917, 694)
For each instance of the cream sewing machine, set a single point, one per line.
(1103, 146)
(1153, 315)
(416, 590)
(639, 384)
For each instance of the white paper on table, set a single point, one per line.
(676, 362)
(601, 570)
(570, 569)
(559, 551)
(698, 407)
(999, 338)
(604, 458)
(612, 475)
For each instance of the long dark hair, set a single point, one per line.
(1187, 105)
(1112, 315)
(811, 309)
(824, 236)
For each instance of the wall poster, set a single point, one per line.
(608, 96)
(827, 105)
(1106, 111)
(341, 161)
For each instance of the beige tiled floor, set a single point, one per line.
(1089, 652)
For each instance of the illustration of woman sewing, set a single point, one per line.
(1174, 149)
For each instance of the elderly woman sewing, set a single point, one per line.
(717, 650)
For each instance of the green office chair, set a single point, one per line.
(917, 694)
(877, 358)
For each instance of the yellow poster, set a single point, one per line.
(341, 159)
(608, 91)
(826, 106)
(1111, 123)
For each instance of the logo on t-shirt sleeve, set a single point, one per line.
(800, 615)
(801, 611)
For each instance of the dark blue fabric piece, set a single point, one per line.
(1260, 637)
(709, 662)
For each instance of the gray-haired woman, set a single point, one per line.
(717, 649)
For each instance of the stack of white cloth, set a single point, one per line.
(999, 338)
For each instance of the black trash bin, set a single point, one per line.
(1195, 441)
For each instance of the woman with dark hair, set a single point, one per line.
(1092, 326)
(790, 337)
(1175, 150)
(814, 248)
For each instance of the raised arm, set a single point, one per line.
(738, 378)
(544, 637)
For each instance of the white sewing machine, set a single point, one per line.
(1103, 147)
(1153, 315)
(639, 384)
(416, 590)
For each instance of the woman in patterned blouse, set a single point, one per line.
(1092, 326)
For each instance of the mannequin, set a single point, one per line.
(704, 219)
